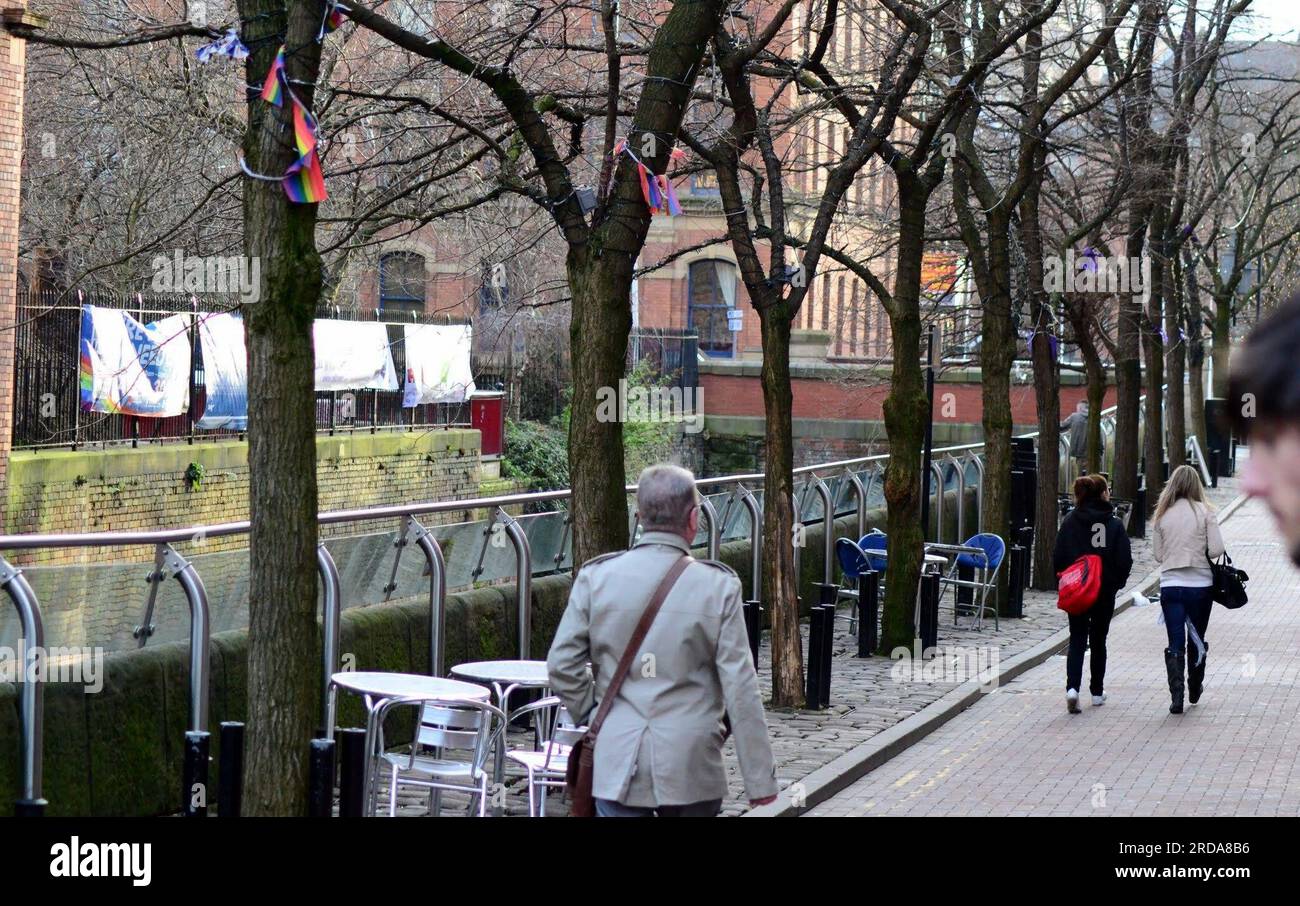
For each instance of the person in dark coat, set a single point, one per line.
(1092, 528)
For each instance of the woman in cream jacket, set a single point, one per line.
(1186, 533)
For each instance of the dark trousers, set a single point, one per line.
(1182, 604)
(607, 808)
(1088, 630)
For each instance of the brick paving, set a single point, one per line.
(1018, 752)
(867, 695)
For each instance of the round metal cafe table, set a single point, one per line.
(377, 688)
(504, 677)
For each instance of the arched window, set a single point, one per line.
(401, 282)
(710, 294)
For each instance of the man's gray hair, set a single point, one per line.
(665, 495)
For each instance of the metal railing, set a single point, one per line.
(855, 479)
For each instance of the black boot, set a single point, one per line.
(1174, 665)
(1196, 677)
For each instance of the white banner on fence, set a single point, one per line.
(130, 368)
(353, 355)
(225, 372)
(438, 364)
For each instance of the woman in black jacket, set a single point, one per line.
(1092, 528)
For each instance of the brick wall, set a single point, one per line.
(86, 602)
(12, 67)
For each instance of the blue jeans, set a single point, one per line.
(1181, 604)
(608, 808)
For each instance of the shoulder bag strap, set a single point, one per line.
(634, 644)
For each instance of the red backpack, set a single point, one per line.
(1078, 584)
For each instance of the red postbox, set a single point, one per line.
(487, 414)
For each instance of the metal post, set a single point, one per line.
(197, 597)
(960, 469)
(352, 779)
(829, 595)
(860, 492)
(194, 775)
(31, 696)
(868, 606)
(755, 542)
(714, 528)
(828, 530)
(320, 794)
(979, 490)
(331, 603)
(1015, 591)
(929, 433)
(437, 595)
(230, 779)
(929, 623)
(523, 582)
(813, 682)
(937, 469)
(754, 627)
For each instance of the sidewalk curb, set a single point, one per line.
(834, 777)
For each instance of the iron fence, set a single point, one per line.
(47, 406)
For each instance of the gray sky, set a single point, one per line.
(1281, 17)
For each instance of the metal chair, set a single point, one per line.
(984, 554)
(456, 725)
(556, 735)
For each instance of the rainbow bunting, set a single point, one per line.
(272, 87)
(304, 183)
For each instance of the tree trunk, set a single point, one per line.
(906, 411)
(283, 641)
(780, 582)
(1095, 373)
(997, 351)
(1153, 348)
(1047, 387)
(598, 332)
(1195, 351)
(1219, 344)
(1176, 402)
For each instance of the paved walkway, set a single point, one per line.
(1018, 752)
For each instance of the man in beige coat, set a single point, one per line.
(660, 749)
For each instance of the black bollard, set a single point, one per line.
(352, 780)
(230, 777)
(1016, 582)
(194, 774)
(320, 793)
(30, 808)
(965, 605)
(828, 652)
(813, 681)
(1139, 516)
(1025, 538)
(868, 606)
(1214, 468)
(929, 628)
(754, 626)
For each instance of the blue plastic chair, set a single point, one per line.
(852, 560)
(875, 541)
(986, 566)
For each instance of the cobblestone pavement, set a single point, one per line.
(1018, 752)
(865, 697)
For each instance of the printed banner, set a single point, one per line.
(437, 364)
(129, 368)
(353, 355)
(225, 372)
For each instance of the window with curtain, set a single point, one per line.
(401, 282)
(711, 292)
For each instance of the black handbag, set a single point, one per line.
(1229, 587)
(1229, 582)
